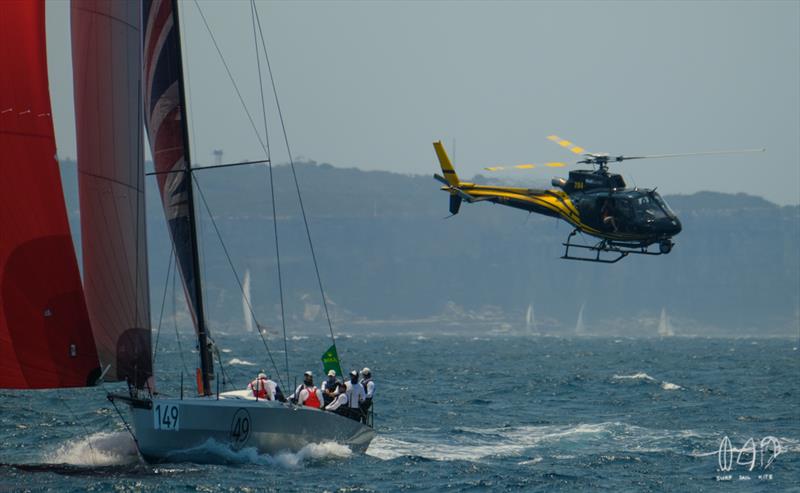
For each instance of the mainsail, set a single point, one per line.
(107, 70)
(45, 336)
(165, 119)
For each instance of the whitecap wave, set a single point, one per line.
(241, 362)
(644, 377)
(299, 338)
(98, 449)
(635, 376)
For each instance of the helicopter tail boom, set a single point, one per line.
(447, 167)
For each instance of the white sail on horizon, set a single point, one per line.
(664, 328)
(248, 315)
(530, 320)
(580, 328)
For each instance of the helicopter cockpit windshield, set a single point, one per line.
(649, 208)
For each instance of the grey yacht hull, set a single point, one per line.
(170, 430)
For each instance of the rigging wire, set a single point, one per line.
(175, 319)
(230, 75)
(236, 275)
(294, 175)
(163, 304)
(271, 191)
(265, 147)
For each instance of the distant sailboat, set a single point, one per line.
(664, 328)
(248, 315)
(530, 320)
(580, 328)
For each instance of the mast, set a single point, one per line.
(206, 361)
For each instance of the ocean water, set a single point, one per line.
(463, 413)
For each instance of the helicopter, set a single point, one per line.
(594, 201)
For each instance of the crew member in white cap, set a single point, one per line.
(308, 380)
(310, 396)
(262, 387)
(355, 395)
(369, 388)
(330, 387)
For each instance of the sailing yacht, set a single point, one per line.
(580, 327)
(247, 303)
(664, 327)
(58, 332)
(530, 321)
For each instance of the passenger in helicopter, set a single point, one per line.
(607, 214)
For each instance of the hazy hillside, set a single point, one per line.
(387, 253)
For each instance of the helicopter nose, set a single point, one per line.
(675, 227)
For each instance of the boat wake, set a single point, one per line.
(213, 452)
(98, 449)
(532, 443)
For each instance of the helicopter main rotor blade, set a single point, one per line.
(566, 144)
(706, 153)
(524, 166)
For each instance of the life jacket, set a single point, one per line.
(259, 387)
(312, 400)
(365, 384)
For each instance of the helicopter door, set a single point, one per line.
(624, 214)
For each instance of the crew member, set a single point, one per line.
(330, 387)
(339, 404)
(262, 387)
(369, 389)
(355, 396)
(308, 379)
(310, 396)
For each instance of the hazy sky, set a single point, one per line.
(371, 85)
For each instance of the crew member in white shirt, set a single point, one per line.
(339, 404)
(310, 396)
(369, 388)
(355, 396)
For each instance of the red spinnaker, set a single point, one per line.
(45, 336)
(107, 67)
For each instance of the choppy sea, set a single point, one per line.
(463, 413)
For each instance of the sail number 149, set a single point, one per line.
(166, 417)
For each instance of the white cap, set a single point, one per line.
(262, 375)
(308, 373)
(365, 371)
(331, 373)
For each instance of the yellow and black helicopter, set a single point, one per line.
(594, 201)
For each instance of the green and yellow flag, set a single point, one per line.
(330, 361)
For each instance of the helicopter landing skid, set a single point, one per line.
(620, 250)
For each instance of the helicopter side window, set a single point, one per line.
(624, 208)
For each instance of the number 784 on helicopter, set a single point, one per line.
(595, 202)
